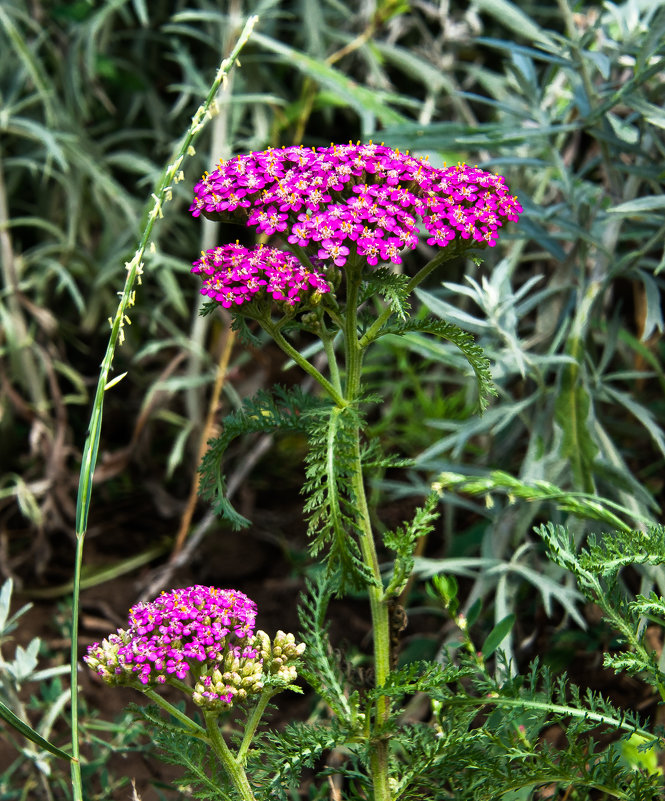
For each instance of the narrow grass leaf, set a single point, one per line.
(516, 20)
(362, 99)
(497, 635)
(29, 733)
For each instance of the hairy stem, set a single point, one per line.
(231, 764)
(378, 609)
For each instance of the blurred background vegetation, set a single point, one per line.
(566, 100)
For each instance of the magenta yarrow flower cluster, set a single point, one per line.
(343, 203)
(234, 275)
(202, 632)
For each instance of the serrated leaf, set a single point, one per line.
(284, 410)
(392, 287)
(473, 353)
(331, 504)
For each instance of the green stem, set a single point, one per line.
(352, 347)
(378, 609)
(77, 788)
(381, 632)
(252, 724)
(328, 347)
(231, 764)
(302, 362)
(193, 728)
(446, 255)
(545, 707)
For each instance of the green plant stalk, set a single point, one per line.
(354, 350)
(380, 629)
(301, 361)
(193, 728)
(77, 788)
(252, 723)
(170, 175)
(560, 709)
(329, 348)
(618, 621)
(231, 764)
(378, 609)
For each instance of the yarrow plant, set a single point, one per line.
(335, 221)
(341, 217)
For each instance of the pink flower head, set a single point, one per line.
(173, 633)
(234, 275)
(336, 202)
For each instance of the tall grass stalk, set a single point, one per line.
(171, 174)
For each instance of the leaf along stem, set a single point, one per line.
(372, 332)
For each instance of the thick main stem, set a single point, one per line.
(379, 610)
(381, 634)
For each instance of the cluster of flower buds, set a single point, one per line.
(200, 636)
(357, 204)
(280, 656)
(235, 677)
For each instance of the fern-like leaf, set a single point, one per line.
(296, 747)
(472, 352)
(285, 410)
(403, 541)
(320, 668)
(331, 504)
(392, 287)
(605, 556)
(203, 776)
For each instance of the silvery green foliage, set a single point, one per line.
(23, 670)
(574, 119)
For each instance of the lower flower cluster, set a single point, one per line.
(234, 275)
(201, 635)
